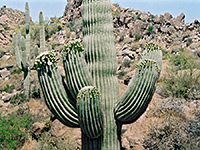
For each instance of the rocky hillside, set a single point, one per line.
(9, 20)
(133, 28)
(170, 122)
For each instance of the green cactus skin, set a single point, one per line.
(42, 32)
(92, 90)
(55, 96)
(36, 51)
(76, 70)
(89, 112)
(22, 52)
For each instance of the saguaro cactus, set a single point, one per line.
(22, 51)
(90, 98)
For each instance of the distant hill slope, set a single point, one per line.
(9, 19)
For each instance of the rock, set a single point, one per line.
(37, 129)
(196, 21)
(4, 73)
(167, 16)
(128, 77)
(194, 46)
(1, 103)
(6, 97)
(179, 21)
(30, 144)
(198, 52)
(126, 61)
(6, 57)
(174, 48)
(138, 27)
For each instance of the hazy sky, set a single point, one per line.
(51, 8)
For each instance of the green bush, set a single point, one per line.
(72, 26)
(8, 88)
(17, 71)
(137, 37)
(13, 128)
(150, 29)
(138, 16)
(35, 92)
(2, 52)
(18, 99)
(5, 26)
(183, 76)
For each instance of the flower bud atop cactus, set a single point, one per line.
(45, 58)
(73, 47)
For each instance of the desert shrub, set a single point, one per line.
(126, 63)
(8, 88)
(121, 74)
(18, 99)
(72, 26)
(168, 135)
(5, 26)
(193, 130)
(17, 71)
(189, 41)
(2, 52)
(35, 92)
(175, 132)
(137, 37)
(117, 10)
(183, 76)
(138, 16)
(13, 128)
(150, 29)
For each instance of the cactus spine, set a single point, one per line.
(90, 100)
(22, 52)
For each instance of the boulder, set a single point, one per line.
(37, 129)
(5, 73)
(179, 20)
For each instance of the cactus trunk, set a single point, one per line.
(100, 55)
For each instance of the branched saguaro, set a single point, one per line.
(22, 47)
(90, 98)
(22, 51)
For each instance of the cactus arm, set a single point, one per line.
(27, 18)
(42, 32)
(55, 96)
(76, 71)
(16, 48)
(137, 96)
(36, 51)
(49, 48)
(23, 54)
(89, 112)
